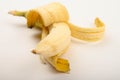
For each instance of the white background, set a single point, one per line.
(88, 61)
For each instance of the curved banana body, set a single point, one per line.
(53, 19)
(55, 42)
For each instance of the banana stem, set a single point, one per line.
(18, 13)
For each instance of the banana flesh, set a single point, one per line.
(53, 19)
(51, 44)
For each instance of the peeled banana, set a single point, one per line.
(53, 19)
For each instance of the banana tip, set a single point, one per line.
(34, 52)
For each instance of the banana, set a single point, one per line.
(56, 32)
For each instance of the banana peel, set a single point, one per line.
(60, 64)
(45, 16)
(88, 34)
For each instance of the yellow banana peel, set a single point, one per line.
(53, 19)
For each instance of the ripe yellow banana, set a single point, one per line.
(53, 19)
